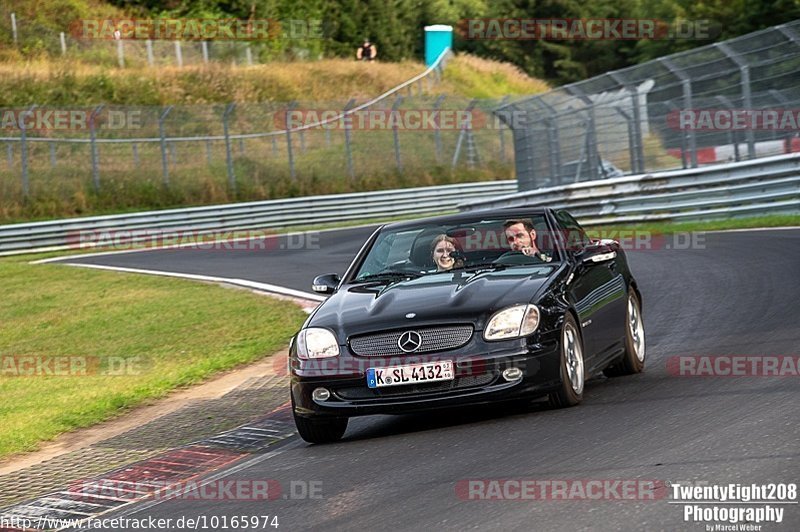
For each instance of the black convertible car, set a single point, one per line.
(465, 309)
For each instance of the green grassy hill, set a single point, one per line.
(47, 82)
(60, 174)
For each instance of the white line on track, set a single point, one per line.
(193, 244)
(263, 287)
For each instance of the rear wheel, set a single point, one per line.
(573, 375)
(633, 360)
(320, 430)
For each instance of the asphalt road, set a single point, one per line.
(291, 260)
(737, 295)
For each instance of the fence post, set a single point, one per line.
(120, 54)
(10, 150)
(241, 146)
(395, 134)
(93, 140)
(52, 154)
(784, 101)
(162, 133)
(204, 46)
(733, 138)
(684, 144)
(466, 134)
(14, 27)
(348, 123)
(228, 154)
(744, 72)
(592, 151)
(274, 147)
(635, 142)
(135, 153)
(26, 187)
(473, 158)
(208, 152)
(554, 145)
(501, 132)
(148, 44)
(437, 133)
(178, 54)
(631, 138)
(249, 55)
(289, 109)
(637, 130)
(63, 40)
(686, 83)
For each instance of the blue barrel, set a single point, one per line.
(438, 38)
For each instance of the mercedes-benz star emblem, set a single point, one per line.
(409, 341)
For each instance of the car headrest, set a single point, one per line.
(421, 249)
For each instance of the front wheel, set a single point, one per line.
(320, 430)
(573, 374)
(315, 430)
(633, 360)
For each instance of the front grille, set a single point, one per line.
(433, 339)
(362, 392)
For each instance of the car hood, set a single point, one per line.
(458, 297)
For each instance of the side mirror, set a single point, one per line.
(598, 252)
(326, 284)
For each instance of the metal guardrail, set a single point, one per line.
(761, 186)
(65, 234)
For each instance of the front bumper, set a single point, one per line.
(477, 380)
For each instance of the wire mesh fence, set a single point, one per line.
(94, 40)
(246, 146)
(730, 101)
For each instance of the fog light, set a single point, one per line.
(512, 374)
(321, 394)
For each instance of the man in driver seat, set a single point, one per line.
(521, 236)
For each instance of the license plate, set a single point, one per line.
(410, 374)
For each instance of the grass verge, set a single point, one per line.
(169, 333)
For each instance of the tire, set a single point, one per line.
(319, 430)
(573, 372)
(635, 348)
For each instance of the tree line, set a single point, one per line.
(396, 26)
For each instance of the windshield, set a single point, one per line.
(429, 249)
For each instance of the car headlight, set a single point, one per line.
(315, 342)
(512, 322)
